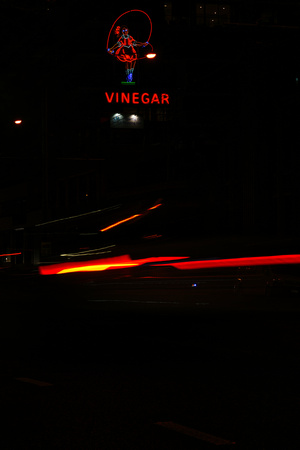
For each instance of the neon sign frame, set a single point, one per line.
(113, 25)
(125, 46)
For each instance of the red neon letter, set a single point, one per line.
(164, 98)
(109, 98)
(135, 97)
(155, 99)
(125, 97)
(145, 98)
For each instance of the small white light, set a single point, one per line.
(151, 55)
(117, 116)
(18, 121)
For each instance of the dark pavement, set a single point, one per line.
(113, 373)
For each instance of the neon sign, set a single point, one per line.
(126, 49)
(136, 98)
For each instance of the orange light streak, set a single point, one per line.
(120, 222)
(81, 266)
(96, 268)
(130, 218)
(11, 254)
(98, 265)
(155, 206)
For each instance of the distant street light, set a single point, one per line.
(18, 121)
(151, 55)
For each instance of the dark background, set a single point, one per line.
(100, 359)
(223, 153)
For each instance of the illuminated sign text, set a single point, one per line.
(136, 98)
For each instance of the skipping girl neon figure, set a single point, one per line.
(126, 51)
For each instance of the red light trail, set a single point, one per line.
(237, 262)
(124, 261)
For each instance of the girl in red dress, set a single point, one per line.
(126, 52)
